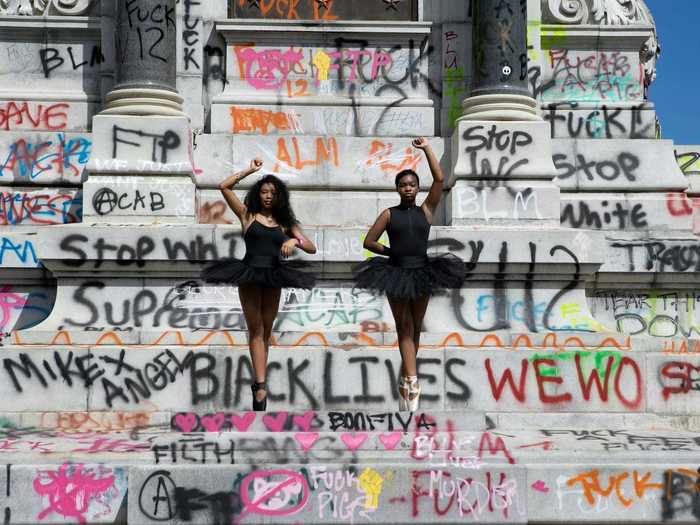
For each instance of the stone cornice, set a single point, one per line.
(590, 36)
(20, 28)
(282, 28)
(599, 12)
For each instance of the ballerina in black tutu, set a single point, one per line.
(408, 276)
(270, 230)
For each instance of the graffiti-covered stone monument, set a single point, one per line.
(560, 383)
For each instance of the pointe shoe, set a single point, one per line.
(410, 385)
(259, 406)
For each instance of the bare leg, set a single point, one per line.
(251, 301)
(418, 308)
(270, 307)
(404, 330)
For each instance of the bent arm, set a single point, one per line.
(435, 194)
(226, 187)
(372, 239)
(231, 198)
(305, 243)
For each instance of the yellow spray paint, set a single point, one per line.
(322, 61)
(371, 482)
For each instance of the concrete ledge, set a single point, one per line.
(374, 337)
(617, 165)
(613, 211)
(84, 245)
(651, 257)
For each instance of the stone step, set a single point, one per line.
(660, 212)
(375, 335)
(164, 421)
(328, 493)
(350, 420)
(400, 494)
(154, 422)
(322, 467)
(433, 475)
(606, 379)
(399, 437)
(428, 442)
(610, 166)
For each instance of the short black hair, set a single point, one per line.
(402, 174)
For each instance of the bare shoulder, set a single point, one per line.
(247, 219)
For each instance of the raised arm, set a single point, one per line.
(372, 239)
(435, 193)
(231, 198)
(298, 240)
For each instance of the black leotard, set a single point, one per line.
(262, 264)
(409, 273)
(408, 231)
(263, 244)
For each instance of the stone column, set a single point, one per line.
(499, 67)
(140, 170)
(145, 59)
(502, 169)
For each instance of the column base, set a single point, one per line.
(501, 151)
(500, 107)
(143, 101)
(503, 203)
(145, 200)
(140, 171)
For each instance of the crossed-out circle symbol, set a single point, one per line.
(257, 506)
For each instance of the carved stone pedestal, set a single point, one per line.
(140, 171)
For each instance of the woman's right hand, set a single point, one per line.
(420, 143)
(288, 247)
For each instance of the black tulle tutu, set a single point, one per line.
(381, 274)
(281, 274)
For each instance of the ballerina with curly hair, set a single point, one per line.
(408, 276)
(272, 234)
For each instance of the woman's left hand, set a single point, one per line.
(288, 247)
